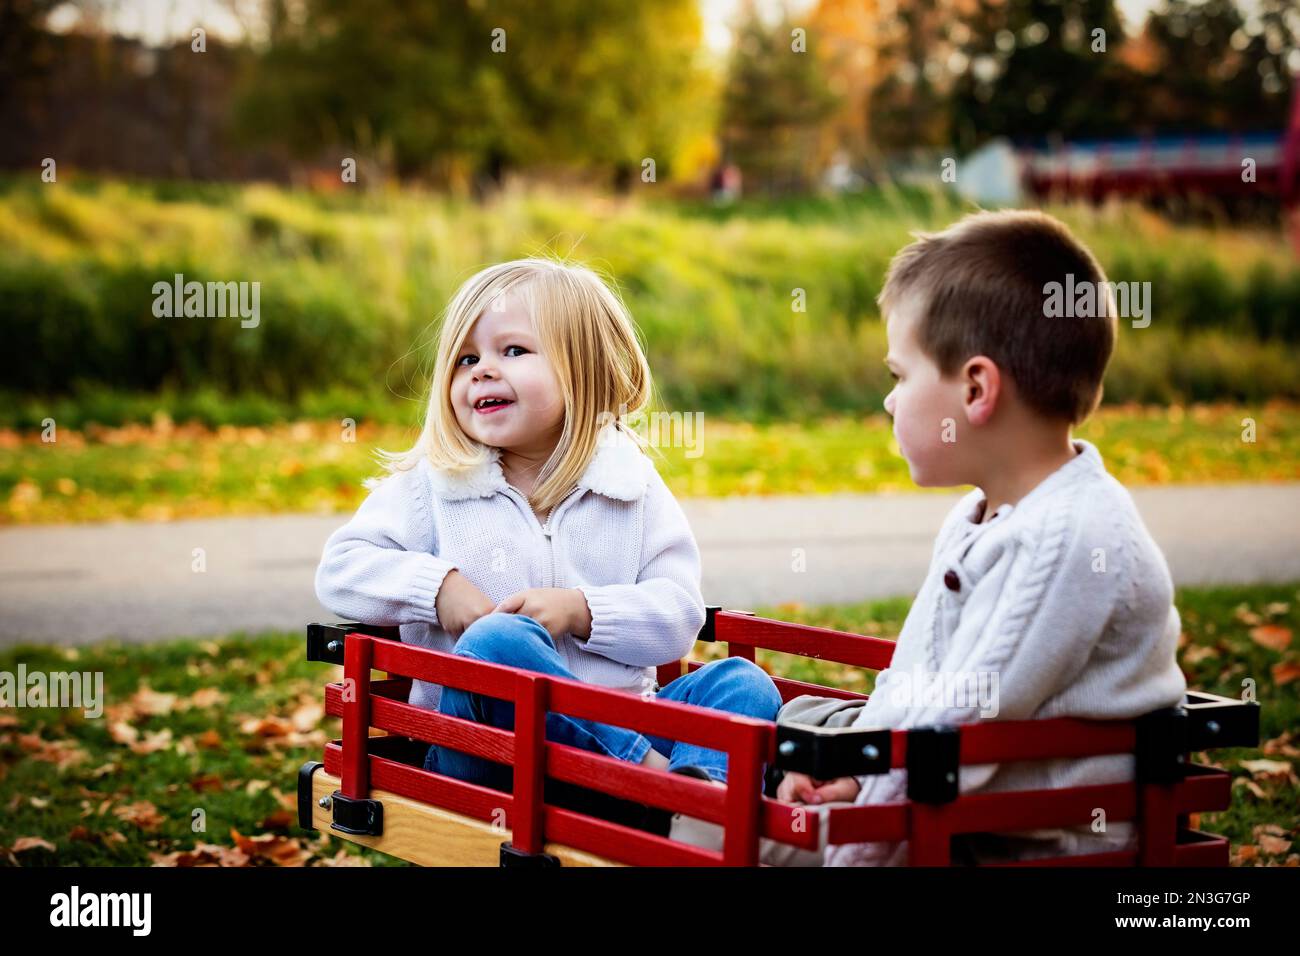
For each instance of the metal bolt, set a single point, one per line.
(334, 646)
(787, 748)
(871, 752)
(1181, 758)
(323, 803)
(950, 777)
(1213, 726)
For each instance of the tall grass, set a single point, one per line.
(351, 284)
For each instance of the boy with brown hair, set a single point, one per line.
(1045, 596)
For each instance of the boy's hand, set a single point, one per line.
(795, 788)
(801, 788)
(460, 603)
(559, 610)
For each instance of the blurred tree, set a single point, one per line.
(469, 85)
(909, 107)
(1033, 68)
(845, 36)
(75, 91)
(26, 51)
(1220, 66)
(774, 103)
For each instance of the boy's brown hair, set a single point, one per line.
(981, 287)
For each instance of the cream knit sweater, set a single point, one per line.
(619, 537)
(1065, 601)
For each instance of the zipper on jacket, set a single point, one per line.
(550, 541)
(545, 528)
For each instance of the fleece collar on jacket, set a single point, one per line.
(616, 470)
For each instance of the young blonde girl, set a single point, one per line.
(527, 527)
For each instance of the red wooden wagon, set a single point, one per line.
(572, 807)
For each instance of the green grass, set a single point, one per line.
(192, 709)
(166, 471)
(351, 283)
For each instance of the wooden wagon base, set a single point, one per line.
(429, 835)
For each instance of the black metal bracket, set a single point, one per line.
(1162, 745)
(1214, 721)
(825, 753)
(933, 764)
(709, 631)
(511, 856)
(325, 641)
(305, 773)
(361, 817)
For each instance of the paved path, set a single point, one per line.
(76, 583)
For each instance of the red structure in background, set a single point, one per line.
(1221, 166)
(1291, 153)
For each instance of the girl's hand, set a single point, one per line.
(460, 603)
(559, 610)
(801, 788)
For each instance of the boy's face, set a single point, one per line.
(502, 359)
(927, 409)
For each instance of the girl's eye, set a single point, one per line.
(522, 350)
(461, 361)
(894, 376)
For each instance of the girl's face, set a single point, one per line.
(503, 389)
(927, 409)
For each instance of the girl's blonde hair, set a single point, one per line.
(590, 340)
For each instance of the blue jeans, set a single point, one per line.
(733, 684)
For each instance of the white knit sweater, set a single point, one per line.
(1067, 601)
(619, 537)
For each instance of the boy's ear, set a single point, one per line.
(981, 388)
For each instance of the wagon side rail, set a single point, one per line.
(744, 634)
(361, 763)
(1167, 788)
